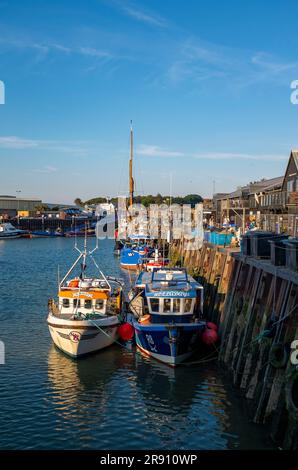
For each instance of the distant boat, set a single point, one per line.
(81, 233)
(135, 252)
(156, 260)
(8, 231)
(47, 233)
(167, 307)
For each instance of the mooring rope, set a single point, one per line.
(136, 351)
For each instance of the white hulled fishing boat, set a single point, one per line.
(86, 316)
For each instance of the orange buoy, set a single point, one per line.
(126, 331)
(145, 319)
(74, 283)
(209, 336)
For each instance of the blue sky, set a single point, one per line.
(207, 85)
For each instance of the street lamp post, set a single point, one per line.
(18, 191)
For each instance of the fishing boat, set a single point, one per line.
(8, 231)
(85, 318)
(156, 260)
(134, 253)
(47, 233)
(167, 307)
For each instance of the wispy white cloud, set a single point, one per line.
(144, 16)
(197, 60)
(14, 142)
(272, 65)
(44, 49)
(160, 152)
(46, 169)
(93, 52)
(238, 156)
(156, 151)
(79, 148)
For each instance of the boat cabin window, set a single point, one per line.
(99, 303)
(76, 303)
(176, 305)
(187, 305)
(65, 303)
(154, 305)
(167, 305)
(88, 304)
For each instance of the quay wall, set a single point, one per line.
(255, 305)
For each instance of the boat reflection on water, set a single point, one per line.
(81, 386)
(118, 399)
(182, 404)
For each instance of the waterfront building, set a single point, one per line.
(269, 204)
(11, 206)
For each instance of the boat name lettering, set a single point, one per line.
(173, 293)
(86, 294)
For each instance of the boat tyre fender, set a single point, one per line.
(278, 356)
(291, 392)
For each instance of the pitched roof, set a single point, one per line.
(294, 154)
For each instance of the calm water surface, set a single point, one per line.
(114, 399)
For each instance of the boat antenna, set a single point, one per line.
(75, 232)
(131, 180)
(96, 235)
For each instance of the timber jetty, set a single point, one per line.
(254, 301)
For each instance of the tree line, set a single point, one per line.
(192, 199)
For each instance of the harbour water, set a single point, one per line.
(115, 399)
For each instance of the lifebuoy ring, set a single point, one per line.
(278, 356)
(291, 392)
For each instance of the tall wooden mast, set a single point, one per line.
(131, 180)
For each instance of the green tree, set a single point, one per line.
(78, 202)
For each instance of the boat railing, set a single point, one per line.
(53, 307)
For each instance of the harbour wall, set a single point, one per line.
(254, 304)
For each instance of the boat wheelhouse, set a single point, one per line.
(167, 305)
(86, 316)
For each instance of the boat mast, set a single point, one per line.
(131, 180)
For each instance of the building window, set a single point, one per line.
(290, 186)
(76, 303)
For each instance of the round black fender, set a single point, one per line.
(278, 356)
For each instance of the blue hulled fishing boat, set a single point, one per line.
(135, 252)
(167, 307)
